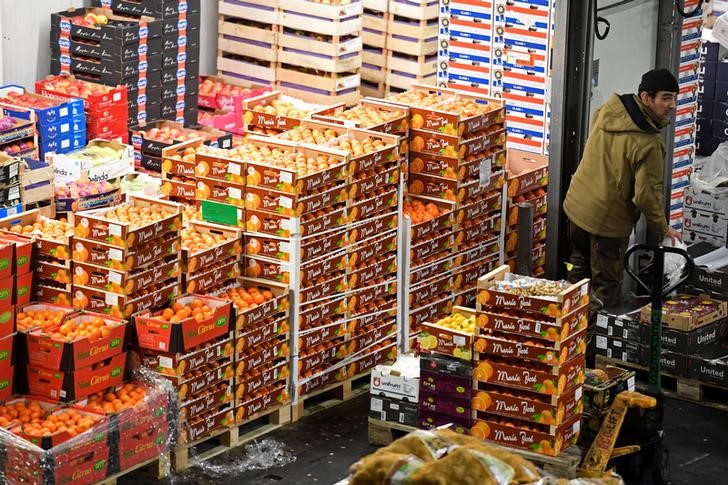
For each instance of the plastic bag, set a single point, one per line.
(674, 263)
(714, 173)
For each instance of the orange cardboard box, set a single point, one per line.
(383, 352)
(455, 146)
(207, 423)
(365, 208)
(268, 200)
(329, 308)
(181, 363)
(263, 354)
(206, 402)
(125, 282)
(60, 250)
(398, 125)
(262, 331)
(312, 337)
(526, 172)
(431, 310)
(122, 306)
(203, 280)
(540, 378)
(371, 292)
(382, 267)
(52, 293)
(255, 114)
(547, 352)
(125, 259)
(455, 168)
(476, 251)
(373, 249)
(436, 244)
(176, 163)
(433, 266)
(426, 291)
(277, 306)
(160, 335)
(526, 406)
(218, 167)
(248, 410)
(232, 246)
(336, 283)
(282, 226)
(465, 277)
(268, 377)
(375, 226)
(94, 226)
(75, 385)
(525, 325)
(49, 352)
(54, 271)
(484, 228)
(180, 188)
(479, 207)
(368, 182)
(188, 386)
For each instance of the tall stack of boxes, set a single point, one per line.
(529, 361)
(706, 215)
(60, 125)
(683, 157)
(446, 388)
(694, 329)
(178, 48)
(394, 391)
(712, 125)
(97, 45)
(502, 49)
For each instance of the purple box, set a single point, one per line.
(445, 383)
(444, 403)
(430, 420)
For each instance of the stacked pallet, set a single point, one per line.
(247, 40)
(412, 27)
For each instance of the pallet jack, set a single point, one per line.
(646, 431)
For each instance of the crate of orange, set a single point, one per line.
(454, 168)
(515, 373)
(502, 290)
(529, 326)
(126, 259)
(538, 438)
(189, 321)
(53, 239)
(179, 159)
(260, 355)
(368, 205)
(252, 404)
(16, 254)
(204, 243)
(125, 282)
(219, 396)
(124, 306)
(526, 172)
(38, 315)
(80, 340)
(181, 363)
(131, 224)
(256, 300)
(454, 190)
(432, 309)
(428, 215)
(291, 205)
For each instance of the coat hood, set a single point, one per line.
(613, 116)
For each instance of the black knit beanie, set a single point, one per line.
(659, 80)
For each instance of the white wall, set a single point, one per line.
(629, 50)
(24, 38)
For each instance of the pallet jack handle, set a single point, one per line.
(657, 291)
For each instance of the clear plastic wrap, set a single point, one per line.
(49, 443)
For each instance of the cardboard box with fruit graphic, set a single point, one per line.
(222, 94)
(453, 335)
(111, 256)
(181, 363)
(369, 114)
(276, 111)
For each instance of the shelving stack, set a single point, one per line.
(502, 49)
(179, 53)
(455, 186)
(374, 53)
(248, 41)
(527, 181)
(320, 51)
(411, 49)
(544, 323)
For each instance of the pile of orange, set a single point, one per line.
(246, 298)
(48, 228)
(112, 402)
(179, 312)
(137, 216)
(68, 420)
(30, 319)
(22, 411)
(91, 329)
(419, 212)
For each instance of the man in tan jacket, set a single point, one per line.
(620, 176)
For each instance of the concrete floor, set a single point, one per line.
(326, 444)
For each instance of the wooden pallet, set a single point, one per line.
(264, 11)
(382, 433)
(415, 9)
(222, 440)
(320, 18)
(705, 394)
(330, 396)
(156, 468)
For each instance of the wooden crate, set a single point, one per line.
(410, 46)
(372, 89)
(374, 28)
(377, 5)
(373, 74)
(263, 11)
(335, 20)
(324, 53)
(415, 29)
(321, 83)
(246, 29)
(243, 68)
(248, 47)
(415, 9)
(372, 56)
(403, 81)
(417, 65)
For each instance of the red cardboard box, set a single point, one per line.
(7, 292)
(23, 252)
(75, 385)
(7, 375)
(157, 334)
(143, 445)
(49, 352)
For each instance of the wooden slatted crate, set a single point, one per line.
(245, 68)
(247, 29)
(263, 11)
(377, 5)
(264, 50)
(415, 9)
(373, 56)
(373, 89)
(318, 86)
(317, 51)
(335, 20)
(374, 28)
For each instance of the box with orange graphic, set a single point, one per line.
(178, 188)
(543, 439)
(372, 269)
(283, 226)
(536, 198)
(527, 406)
(205, 424)
(483, 228)
(260, 402)
(321, 356)
(182, 327)
(213, 276)
(218, 190)
(74, 385)
(126, 259)
(191, 384)
(181, 363)
(431, 310)
(452, 189)
(110, 227)
(328, 308)
(465, 297)
(373, 179)
(380, 353)
(217, 166)
(331, 285)
(272, 303)
(526, 172)
(425, 291)
(372, 227)
(466, 277)
(479, 206)
(260, 379)
(262, 354)
(373, 248)
(428, 215)
(368, 114)
(52, 271)
(125, 282)
(538, 257)
(50, 239)
(470, 252)
(219, 396)
(526, 325)
(124, 306)
(54, 293)
(268, 200)
(431, 267)
(538, 233)
(539, 378)
(544, 351)
(368, 205)
(82, 339)
(326, 331)
(366, 336)
(262, 331)
(275, 111)
(178, 160)
(454, 168)
(455, 146)
(372, 292)
(438, 242)
(502, 290)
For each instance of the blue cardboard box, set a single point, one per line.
(62, 111)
